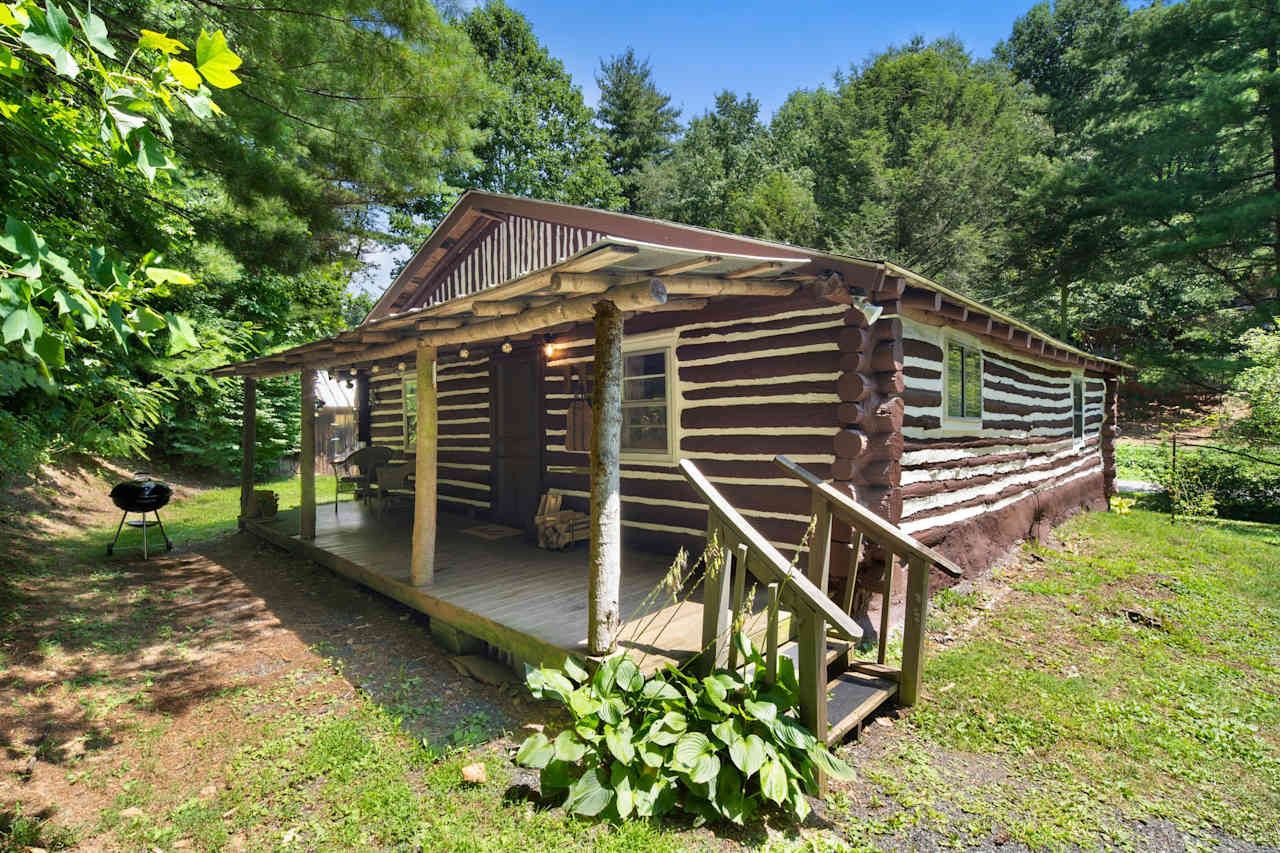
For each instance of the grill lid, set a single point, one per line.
(141, 494)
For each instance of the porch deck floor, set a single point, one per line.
(526, 600)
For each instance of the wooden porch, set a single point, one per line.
(526, 602)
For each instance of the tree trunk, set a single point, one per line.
(604, 618)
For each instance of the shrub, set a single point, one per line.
(722, 746)
(23, 448)
(1210, 482)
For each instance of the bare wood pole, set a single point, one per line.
(248, 446)
(913, 629)
(307, 464)
(422, 564)
(603, 618)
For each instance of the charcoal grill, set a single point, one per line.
(140, 496)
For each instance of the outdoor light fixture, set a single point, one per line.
(549, 346)
(506, 346)
(373, 369)
(464, 353)
(869, 311)
(400, 367)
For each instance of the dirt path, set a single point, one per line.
(121, 674)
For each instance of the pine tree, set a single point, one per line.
(639, 122)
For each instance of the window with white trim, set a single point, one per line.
(964, 382)
(410, 399)
(646, 413)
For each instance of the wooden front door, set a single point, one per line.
(517, 437)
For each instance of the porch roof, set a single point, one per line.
(637, 276)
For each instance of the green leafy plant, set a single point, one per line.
(723, 746)
(1121, 506)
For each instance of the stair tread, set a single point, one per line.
(851, 698)
(791, 649)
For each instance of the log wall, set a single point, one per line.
(753, 378)
(972, 489)
(464, 443)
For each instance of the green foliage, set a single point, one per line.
(1259, 386)
(539, 139)
(720, 747)
(22, 448)
(638, 120)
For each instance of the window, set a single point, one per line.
(1077, 409)
(645, 418)
(964, 382)
(410, 412)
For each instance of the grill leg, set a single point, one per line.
(144, 536)
(119, 527)
(168, 545)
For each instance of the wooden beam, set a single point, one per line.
(756, 269)
(376, 338)
(601, 257)
(498, 309)
(913, 631)
(307, 464)
(687, 266)
(605, 560)
(422, 561)
(248, 446)
(697, 285)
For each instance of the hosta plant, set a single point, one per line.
(723, 746)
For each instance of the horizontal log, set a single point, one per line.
(887, 355)
(854, 387)
(854, 339)
(850, 443)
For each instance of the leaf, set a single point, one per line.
(582, 703)
(627, 676)
(793, 733)
(656, 688)
(572, 668)
(765, 712)
(201, 105)
(727, 731)
(747, 754)
(620, 779)
(162, 275)
(181, 336)
(650, 754)
(22, 323)
(95, 32)
(543, 681)
(569, 747)
(729, 795)
(690, 747)
(152, 40)
(50, 35)
(151, 155)
(612, 711)
(50, 350)
(19, 239)
(59, 265)
(667, 729)
(535, 752)
(619, 742)
(830, 764)
(799, 803)
(184, 73)
(147, 320)
(705, 769)
(590, 795)
(554, 776)
(773, 781)
(216, 61)
(603, 678)
(715, 693)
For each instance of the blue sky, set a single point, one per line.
(766, 48)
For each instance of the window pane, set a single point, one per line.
(645, 389)
(972, 384)
(645, 364)
(955, 381)
(644, 428)
(1077, 409)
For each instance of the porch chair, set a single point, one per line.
(365, 461)
(392, 483)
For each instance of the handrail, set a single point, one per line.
(795, 581)
(867, 522)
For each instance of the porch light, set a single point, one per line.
(869, 311)
(549, 347)
(464, 353)
(506, 346)
(400, 367)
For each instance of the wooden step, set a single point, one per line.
(851, 698)
(836, 656)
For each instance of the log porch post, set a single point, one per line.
(307, 464)
(422, 562)
(248, 447)
(603, 618)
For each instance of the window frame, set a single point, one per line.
(405, 445)
(961, 421)
(648, 346)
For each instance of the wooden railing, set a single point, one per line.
(805, 594)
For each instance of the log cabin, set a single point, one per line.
(650, 374)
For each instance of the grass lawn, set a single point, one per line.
(1122, 689)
